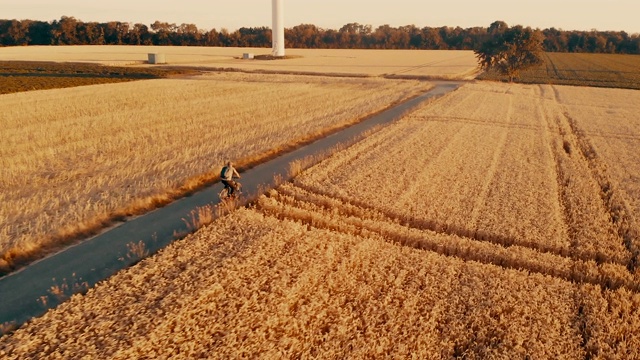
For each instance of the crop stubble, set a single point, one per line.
(334, 265)
(448, 64)
(580, 69)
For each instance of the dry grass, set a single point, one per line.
(251, 285)
(74, 160)
(137, 251)
(285, 290)
(351, 265)
(608, 132)
(487, 162)
(609, 120)
(317, 210)
(63, 290)
(422, 63)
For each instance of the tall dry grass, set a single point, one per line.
(607, 130)
(74, 160)
(282, 289)
(251, 285)
(487, 162)
(295, 203)
(320, 269)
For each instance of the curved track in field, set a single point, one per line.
(27, 292)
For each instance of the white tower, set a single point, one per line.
(277, 31)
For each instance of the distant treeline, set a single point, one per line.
(70, 31)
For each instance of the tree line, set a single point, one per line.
(70, 31)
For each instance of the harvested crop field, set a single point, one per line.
(76, 159)
(444, 64)
(493, 237)
(598, 70)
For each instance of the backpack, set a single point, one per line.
(223, 173)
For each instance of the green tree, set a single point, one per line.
(350, 35)
(432, 39)
(305, 36)
(510, 50)
(15, 32)
(211, 38)
(64, 31)
(139, 35)
(188, 34)
(90, 33)
(163, 33)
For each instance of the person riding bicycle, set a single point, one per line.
(226, 176)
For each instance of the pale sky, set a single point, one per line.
(616, 15)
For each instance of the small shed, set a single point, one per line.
(155, 58)
(247, 56)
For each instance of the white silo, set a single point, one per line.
(277, 31)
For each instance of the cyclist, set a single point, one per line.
(226, 176)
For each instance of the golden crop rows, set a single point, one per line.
(73, 159)
(293, 202)
(250, 285)
(608, 121)
(420, 241)
(499, 167)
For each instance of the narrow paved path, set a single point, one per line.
(101, 256)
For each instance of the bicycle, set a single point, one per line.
(225, 193)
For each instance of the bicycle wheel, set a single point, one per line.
(223, 194)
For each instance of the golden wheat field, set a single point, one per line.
(425, 63)
(510, 165)
(490, 224)
(608, 120)
(74, 159)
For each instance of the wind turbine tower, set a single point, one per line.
(277, 31)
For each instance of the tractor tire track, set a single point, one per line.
(620, 213)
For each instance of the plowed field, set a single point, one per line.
(580, 69)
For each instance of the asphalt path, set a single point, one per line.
(97, 258)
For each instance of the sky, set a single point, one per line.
(603, 15)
